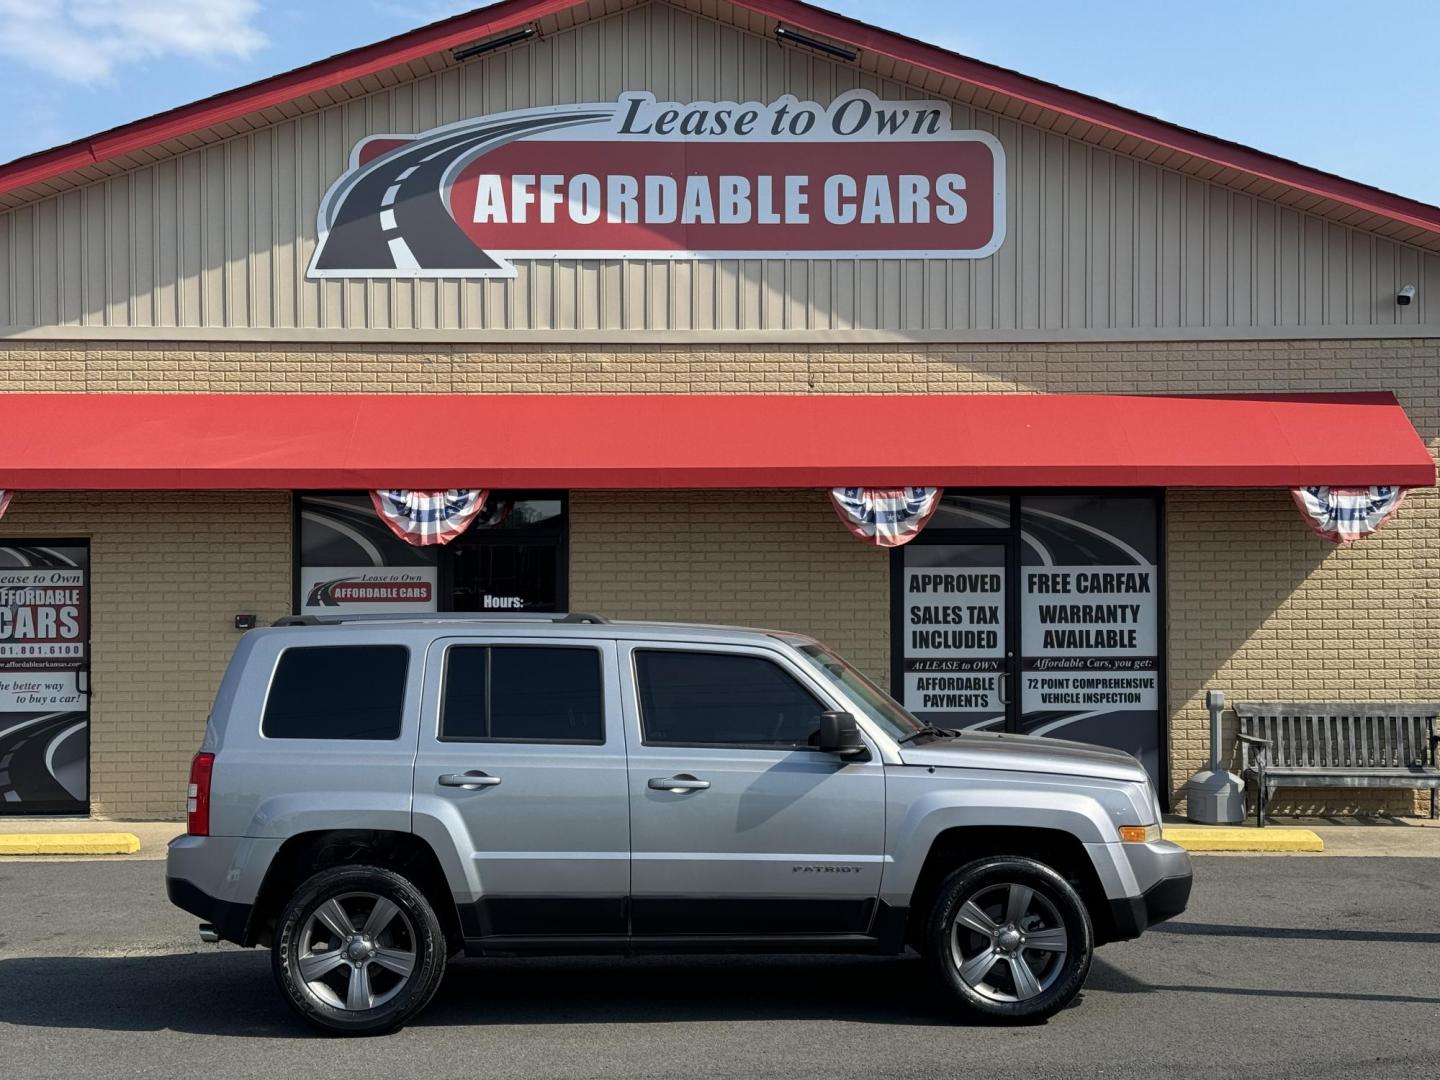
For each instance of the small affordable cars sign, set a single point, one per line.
(638, 178)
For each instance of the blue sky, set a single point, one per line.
(1339, 85)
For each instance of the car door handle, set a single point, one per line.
(468, 780)
(678, 783)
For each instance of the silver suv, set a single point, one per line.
(375, 796)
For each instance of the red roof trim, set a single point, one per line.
(469, 27)
(198, 442)
(367, 60)
(1093, 110)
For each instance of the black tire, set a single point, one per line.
(992, 986)
(413, 928)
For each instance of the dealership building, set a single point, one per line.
(657, 277)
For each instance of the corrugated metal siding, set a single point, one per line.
(220, 236)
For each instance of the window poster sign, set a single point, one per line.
(352, 563)
(1035, 614)
(858, 178)
(953, 626)
(44, 685)
(1090, 621)
(354, 589)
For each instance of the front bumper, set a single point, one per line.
(1163, 876)
(1131, 916)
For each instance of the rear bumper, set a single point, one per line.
(229, 919)
(1164, 900)
(218, 878)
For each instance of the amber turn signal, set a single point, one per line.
(1139, 834)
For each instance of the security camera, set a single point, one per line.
(1405, 295)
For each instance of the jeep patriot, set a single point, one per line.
(375, 795)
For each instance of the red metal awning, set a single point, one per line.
(283, 441)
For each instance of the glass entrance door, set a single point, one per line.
(1089, 595)
(955, 657)
(511, 559)
(506, 575)
(1037, 613)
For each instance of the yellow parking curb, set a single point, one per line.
(1201, 838)
(96, 843)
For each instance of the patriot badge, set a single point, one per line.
(1346, 514)
(885, 517)
(422, 518)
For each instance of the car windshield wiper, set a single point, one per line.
(927, 729)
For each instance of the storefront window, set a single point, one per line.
(511, 558)
(971, 510)
(505, 577)
(44, 676)
(1037, 614)
(1090, 621)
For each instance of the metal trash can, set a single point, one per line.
(1215, 796)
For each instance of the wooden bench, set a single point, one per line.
(1337, 744)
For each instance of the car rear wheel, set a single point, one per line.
(1009, 940)
(359, 950)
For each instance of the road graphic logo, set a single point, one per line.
(636, 178)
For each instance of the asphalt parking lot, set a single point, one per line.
(1283, 967)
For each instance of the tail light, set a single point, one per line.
(197, 795)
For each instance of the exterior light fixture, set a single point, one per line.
(783, 35)
(490, 45)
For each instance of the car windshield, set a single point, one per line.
(878, 705)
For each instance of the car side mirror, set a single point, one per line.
(840, 734)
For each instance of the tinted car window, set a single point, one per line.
(523, 694)
(722, 699)
(337, 692)
(464, 704)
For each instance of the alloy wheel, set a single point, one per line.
(357, 951)
(1008, 942)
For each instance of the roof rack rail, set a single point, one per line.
(441, 616)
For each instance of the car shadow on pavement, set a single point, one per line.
(1400, 937)
(640, 990)
(231, 993)
(222, 993)
(1107, 978)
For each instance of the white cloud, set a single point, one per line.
(85, 41)
(413, 13)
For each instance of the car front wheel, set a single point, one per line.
(359, 950)
(1009, 940)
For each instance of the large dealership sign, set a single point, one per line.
(639, 178)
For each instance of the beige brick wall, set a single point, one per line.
(168, 573)
(778, 559)
(1258, 605)
(1267, 611)
(1408, 366)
